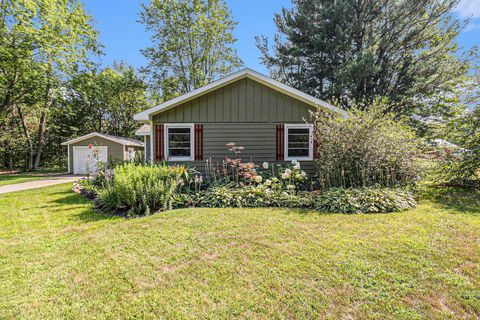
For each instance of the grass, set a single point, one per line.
(59, 259)
(6, 179)
(14, 178)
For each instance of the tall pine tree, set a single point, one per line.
(404, 50)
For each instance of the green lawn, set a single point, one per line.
(17, 178)
(6, 178)
(58, 259)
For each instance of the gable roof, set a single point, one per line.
(245, 73)
(143, 130)
(120, 140)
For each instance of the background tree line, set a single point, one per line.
(51, 91)
(404, 53)
(347, 51)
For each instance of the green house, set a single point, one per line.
(270, 120)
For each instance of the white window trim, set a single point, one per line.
(310, 141)
(168, 126)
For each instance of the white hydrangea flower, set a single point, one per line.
(268, 182)
(294, 162)
(296, 166)
(304, 174)
(288, 171)
(285, 176)
(258, 179)
(290, 187)
(265, 165)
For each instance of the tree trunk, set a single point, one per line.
(41, 139)
(43, 123)
(27, 138)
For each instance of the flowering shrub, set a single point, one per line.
(242, 173)
(366, 149)
(103, 175)
(231, 170)
(291, 178)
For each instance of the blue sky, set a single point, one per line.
(123, 37)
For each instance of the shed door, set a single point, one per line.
(85, 161)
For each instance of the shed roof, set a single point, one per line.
(121, 140)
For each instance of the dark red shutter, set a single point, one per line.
(280, 143)
(159, 143)
(198, 138)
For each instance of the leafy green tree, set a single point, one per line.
(45, 42)
(463, 167)
(126, 94)
(364, 49)
(11, 142)
(20, 75)
(16, 48)
(192, 44)
(445, 112)
(103, 101)
(469, 166)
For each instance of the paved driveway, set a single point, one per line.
(38, 183)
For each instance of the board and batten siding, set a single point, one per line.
(245, 112)
(115, 149)
(243, 101)
(257, 138)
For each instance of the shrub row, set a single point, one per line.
(253, 196)
(134, 190)
(364, 200)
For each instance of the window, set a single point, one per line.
(179, 142)
(298, 142)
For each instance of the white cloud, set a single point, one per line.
(468, 9)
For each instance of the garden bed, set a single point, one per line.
(136, 190)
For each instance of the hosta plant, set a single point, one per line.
(364, 200)
(253, 196)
